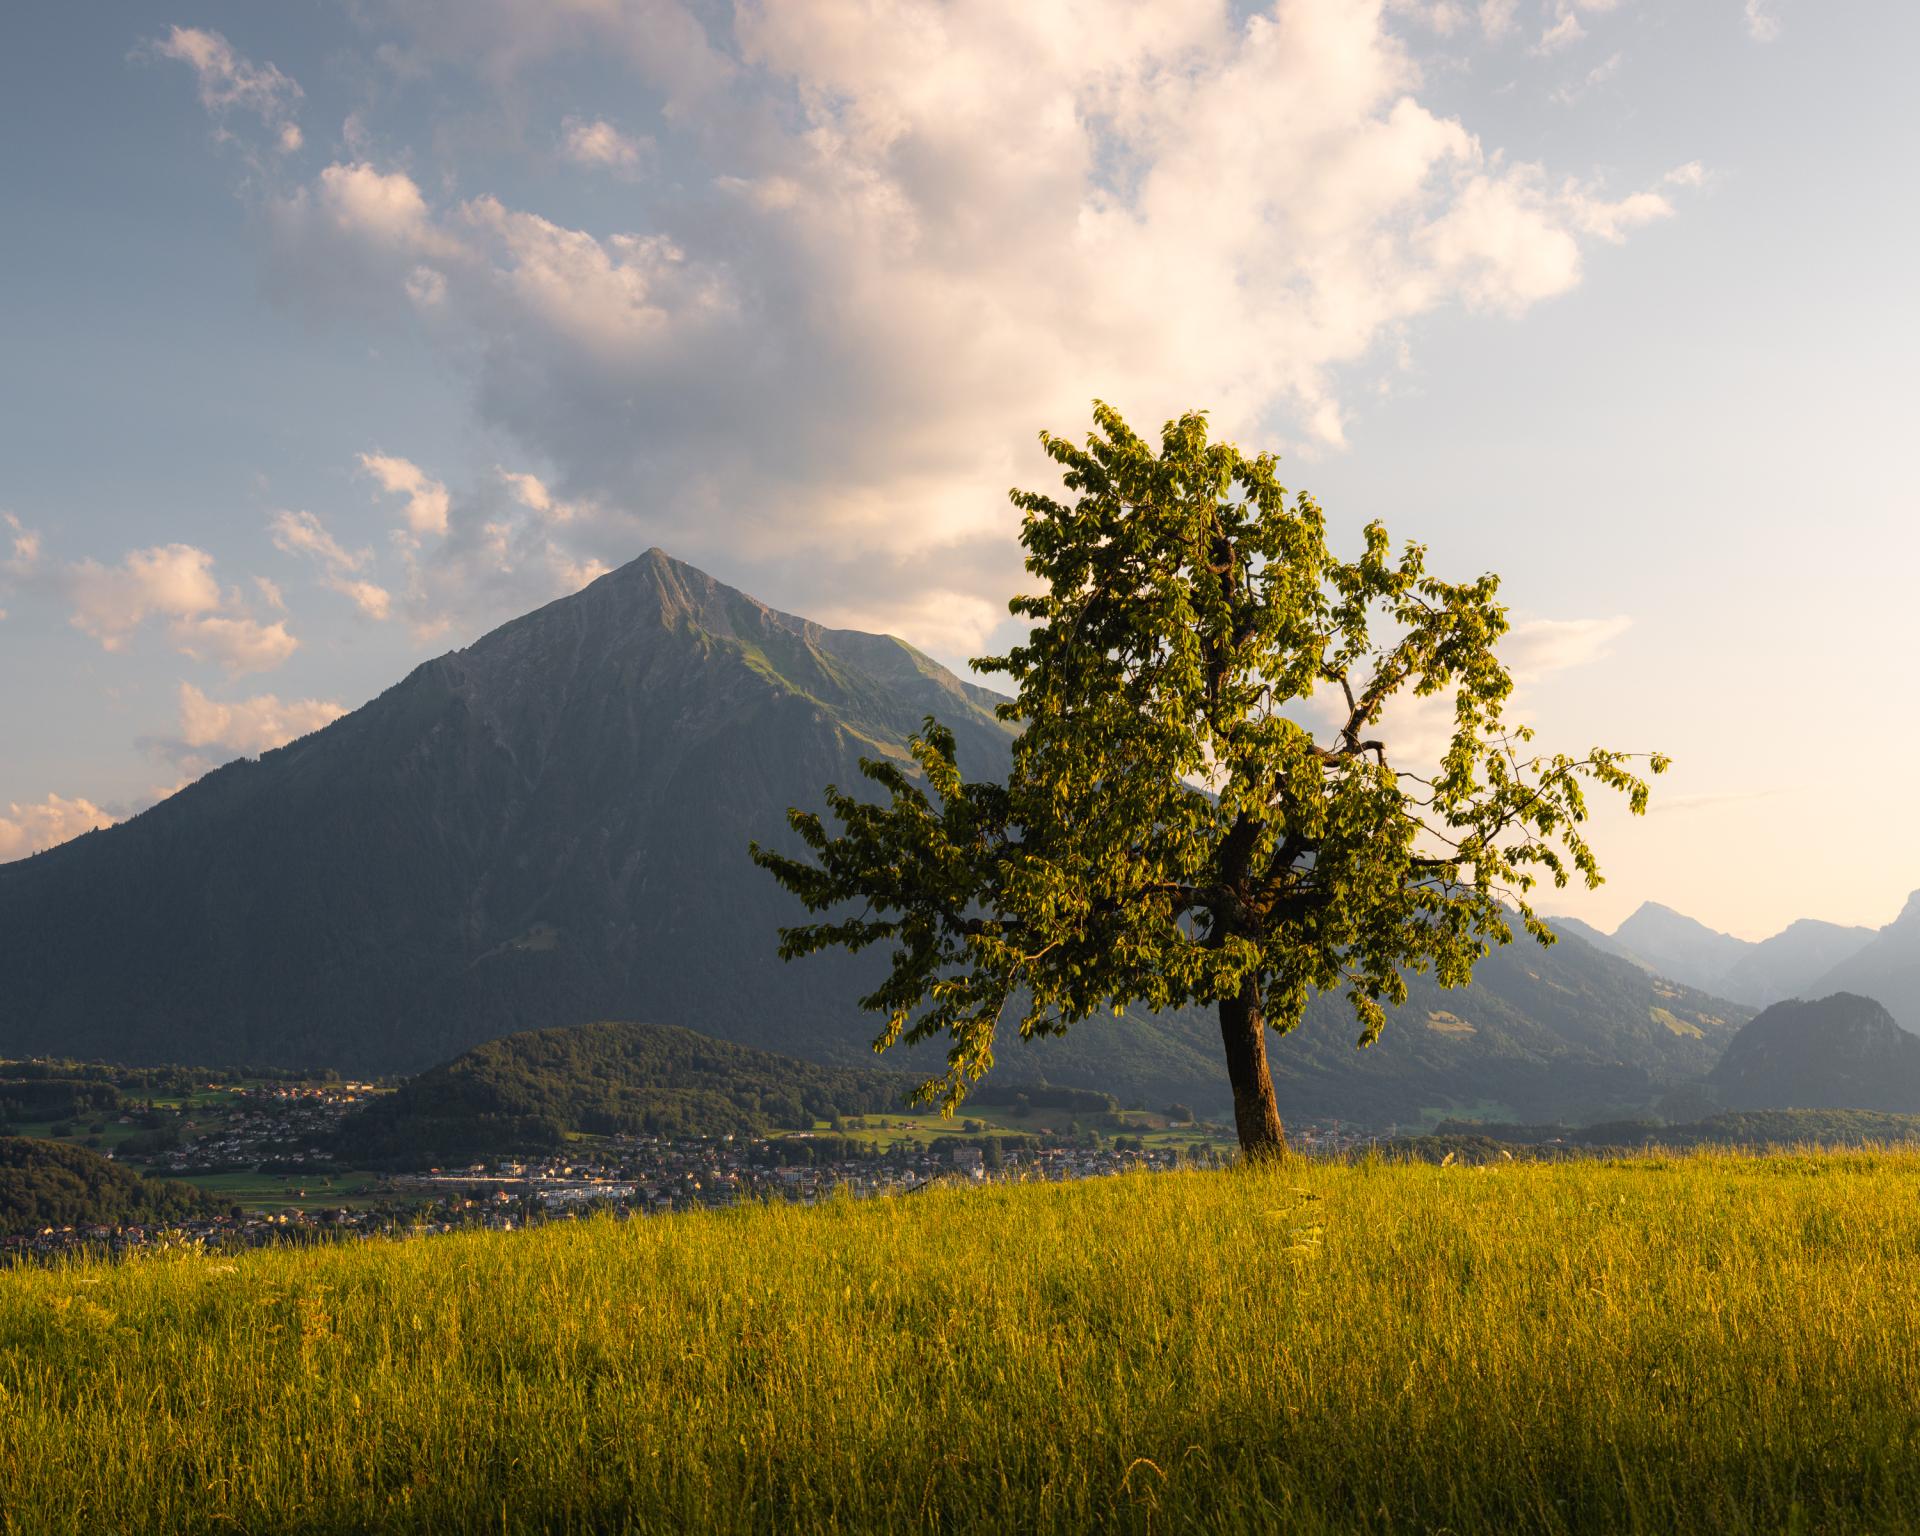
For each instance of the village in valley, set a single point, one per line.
(265, 1152)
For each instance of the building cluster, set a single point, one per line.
(283, 1123)
(635, 1176)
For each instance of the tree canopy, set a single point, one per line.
(1202, 807)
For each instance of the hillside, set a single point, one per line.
(526, 1092)
(1843, 1052)
(550, 827)
(48, 1184)
(1569, 1032)
(1887, 969)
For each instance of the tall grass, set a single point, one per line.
(1707, 1343)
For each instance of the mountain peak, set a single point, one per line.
(1653, 913)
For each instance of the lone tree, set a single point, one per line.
(1186, 819)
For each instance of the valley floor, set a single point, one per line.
(1701, 1343)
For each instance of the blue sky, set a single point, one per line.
(336, 334)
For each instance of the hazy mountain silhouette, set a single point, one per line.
(1792, 963)
(1843, 1052)
(1887, 968)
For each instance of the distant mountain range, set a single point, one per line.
(1805, 959)
(550, 827)
(1886, 969)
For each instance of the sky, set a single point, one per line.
(333, 335)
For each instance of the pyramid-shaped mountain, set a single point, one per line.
(550, 827)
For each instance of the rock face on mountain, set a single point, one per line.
(550, 827)
(1794, 962)
(1843, 1052)
(1888, 968)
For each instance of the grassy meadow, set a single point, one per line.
(1705, 1343)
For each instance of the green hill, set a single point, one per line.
(49, 1184)
(527, 1092)
(1842, 1052)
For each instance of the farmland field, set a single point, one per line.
(1700, 1343)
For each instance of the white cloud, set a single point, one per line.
(385, 207)
(172, 581)
(529, 490)
(229, 81)
(1762, 25)
(24, 557)
(238, 643)
(1611, 221)
(248, 726)
(426, 286)
(302, 533)
(29, 828)
(1599, 75)
(1496, 17)
(270, 593)
(1564, 33)
(599, 143)
(1536, 647)
(536, 495)
(927, 233)
(427, 500)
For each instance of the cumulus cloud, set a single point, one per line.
(26, 829)
(384, 207)
(924, 234)
(228, 82)
(599, 143)
(172, 581)
(176, 583)
(248, 727)
(238, 643)
(426, 498)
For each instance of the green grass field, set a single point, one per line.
(1706, 1344)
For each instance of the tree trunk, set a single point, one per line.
(1243, 1026)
